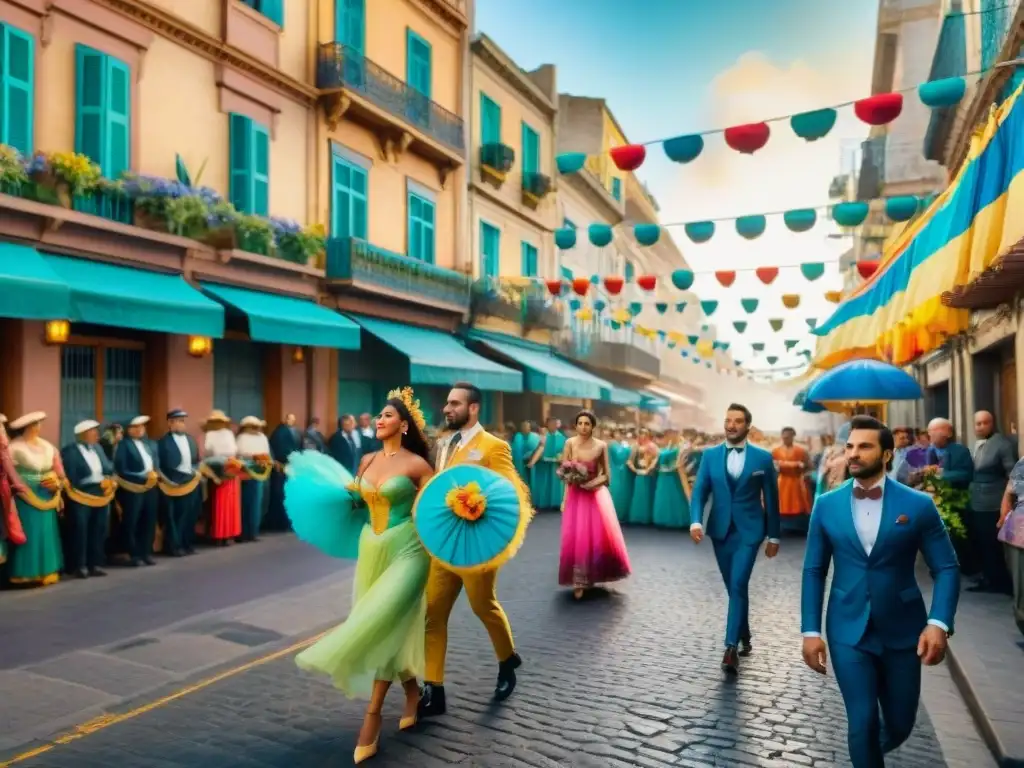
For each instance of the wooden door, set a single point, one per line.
(1008, 424)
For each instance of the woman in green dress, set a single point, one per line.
(524, 444)
(643, 463)
(547, 490)
(382, 640)
(671, 508)
(40, 559)
(621, 481)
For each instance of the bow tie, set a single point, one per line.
(867, 493)
(738, 449)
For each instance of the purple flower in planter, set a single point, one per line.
(38, 163)
(284, 226)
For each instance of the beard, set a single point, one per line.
(456, 421)
(867, 470)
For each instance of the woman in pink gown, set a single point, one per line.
(593, 550)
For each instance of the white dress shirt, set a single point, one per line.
(185, 450)
(221, 443)
(147, 460)
(95, 466)
(734, 463)
(867, 521)
(356, 439)
(251, 444)
(468, 433)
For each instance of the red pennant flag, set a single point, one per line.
(554, 287)
(647, 282)
(879, 109)
(767, 275)
(629, 157)
(747, 138)
(613, 284)
(581, 285)
(726, 277)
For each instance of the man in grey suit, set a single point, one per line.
(994, 457)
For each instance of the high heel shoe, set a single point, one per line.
(407, 722)
(364, 753)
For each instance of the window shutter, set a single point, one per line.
(359, 203)
(349, 213)
(90, 103)
(428, 232)
(490, 121)
(241, 155)
(415, 228)
(273, 10)
(418, 68)
(531, 150)
(260, 170)
(17, 88)
(340, 224)
(350, 25)
(117, 157)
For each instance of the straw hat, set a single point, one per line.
(27, 420)
(252, 421)
(84, 426)
(217, 416)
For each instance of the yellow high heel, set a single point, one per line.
(364, 753)
(408, 722)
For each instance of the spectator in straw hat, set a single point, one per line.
(254, 451)
(225, 493)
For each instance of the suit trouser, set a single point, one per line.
(987, 549)
(180, 516)
(736, 564)
(139, 512)
(443, 588)
(88, 533)
(873, 677)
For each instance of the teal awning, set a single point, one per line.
(438, 358)
(549, 374)
(625, 397)
(287, 320)
(126, 297)
(29, 288)
(651, 402)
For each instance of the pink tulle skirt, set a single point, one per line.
(593, 550)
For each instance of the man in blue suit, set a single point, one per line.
(178, 457)
(871, 530)
(344, 444)
(137, 464)
(740, 480)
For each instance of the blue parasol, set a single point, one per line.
(801, 401)
(471, 518)
(321, 506)
(863, 382)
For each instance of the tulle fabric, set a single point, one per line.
(321, 504)
(593, 550)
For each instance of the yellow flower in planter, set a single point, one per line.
(77, 171)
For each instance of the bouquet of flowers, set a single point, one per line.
(573, 473)
(262, 459)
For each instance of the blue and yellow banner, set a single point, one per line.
(897, 315)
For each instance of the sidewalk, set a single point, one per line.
(72, 653)
(986, 661)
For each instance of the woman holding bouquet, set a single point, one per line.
(223, 468)
(593, 550)
(370, 519)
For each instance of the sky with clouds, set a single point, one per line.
(672, 67)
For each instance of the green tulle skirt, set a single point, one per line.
(383, 636)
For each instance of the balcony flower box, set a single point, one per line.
(536, 187)
(490, 298)
(496, 161)
(539, 312)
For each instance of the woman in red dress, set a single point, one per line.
(225, 491)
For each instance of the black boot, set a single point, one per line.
(432, 700)
(745, 647)
(731, 661)
(507, 677)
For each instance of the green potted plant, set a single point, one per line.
(298, 244)
(254, 234)
(61, 176)
(951, 503)
(13, 175)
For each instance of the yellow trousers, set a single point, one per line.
(443, 588)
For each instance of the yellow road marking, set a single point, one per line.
(105, 721)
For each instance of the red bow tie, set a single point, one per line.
(867, 493)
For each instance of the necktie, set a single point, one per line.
(867, 493)
(738, 449)
(453, 446)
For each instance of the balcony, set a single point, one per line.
(354, 86)
(536, 186)
(496, 161)
(355, 264)
(610, 350)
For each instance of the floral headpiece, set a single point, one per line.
(405, 394)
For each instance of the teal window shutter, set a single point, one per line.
(118, 118)
(529, 257)
(240, 140)
(350, 24)
(418, 64)
(630, 271)
(349, 203)
(249, 173)
(490, 250)
(421, 228)
(273, 10)
(490, 121)
(566, 273)
(17, 88)
(90, 103)
(617, 188)
(531, 150)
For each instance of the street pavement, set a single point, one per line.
(627, 677)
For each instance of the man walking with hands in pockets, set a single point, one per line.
(740, 480)
(870, 529)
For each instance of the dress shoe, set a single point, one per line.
(731, 660)
(364, 753)
(134, 563)
(507, 677)
(432, 701)
(149, 561)
(81, 573)
(745, 647)
(97, 572)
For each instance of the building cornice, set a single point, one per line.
(190, 36)
(451, 12)
(487, 51)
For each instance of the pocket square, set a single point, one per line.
(474, 455)
(902, 520)
(758, 472)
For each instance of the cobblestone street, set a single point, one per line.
(625, 678)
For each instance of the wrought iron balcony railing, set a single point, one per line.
(357, 261)
(614, 351)
(500, 157)
(340, 66)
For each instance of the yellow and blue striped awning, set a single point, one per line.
(898, 314)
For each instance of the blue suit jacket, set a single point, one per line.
(75, 466)
(170, 457)
(751, 504)
(128, 462)
(957, 465)
(881, 587)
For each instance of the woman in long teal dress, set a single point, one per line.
(382, 640)
(40, 559)
(524, 444)
(547, 490)
(643, 463)
(621, 481)
(671, 508)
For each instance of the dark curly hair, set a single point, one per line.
(589, 414)
(413, 440)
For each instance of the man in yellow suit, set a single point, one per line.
(469, 443)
